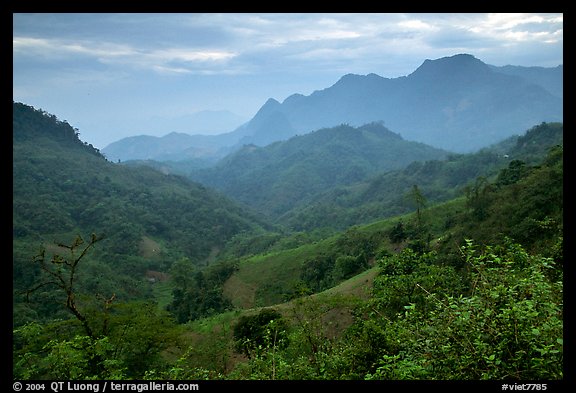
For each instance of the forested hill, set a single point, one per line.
(281, 176)
(29, 126)
(63, 187)
(385, 194)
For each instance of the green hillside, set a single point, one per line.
(444, 293)
(266, 279)
(63, 188)
(279, 177)
(385, 194)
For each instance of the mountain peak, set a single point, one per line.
(355, 78)
(453, 65)
(271, 103)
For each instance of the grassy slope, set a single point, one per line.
(262, 280)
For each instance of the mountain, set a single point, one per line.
(549, 78)
(282, 175)
(175, 146)
(401, 298)
(63, 187)
(456, 103)
(207, 122)
(384, 195)
(203, 149)
(196, 144)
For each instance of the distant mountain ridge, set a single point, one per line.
(549, 78)
(456, 103)
(207, 122)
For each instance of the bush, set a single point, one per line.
(252, 333)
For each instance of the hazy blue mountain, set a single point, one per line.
(457, 103)
(549, 78)
(175, 146)
(207, 122)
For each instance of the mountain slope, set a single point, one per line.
(92, 194)
(549, 78)
(63, 187)
(523, 202)
(280, 176)
(385, 194)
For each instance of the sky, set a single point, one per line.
(114, 75)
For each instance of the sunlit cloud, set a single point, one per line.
(416, 24)
(50, 48)
(160, 60)
(520, 27)
(190, 55)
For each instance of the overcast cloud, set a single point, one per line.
(117, 75)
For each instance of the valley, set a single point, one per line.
(346, 252)
(182, 282)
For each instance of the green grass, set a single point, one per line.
(263, 280)
(266, 279)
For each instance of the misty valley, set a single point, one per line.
(380, 229)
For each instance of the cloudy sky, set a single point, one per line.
(117, 75)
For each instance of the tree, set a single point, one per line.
(419, 201)
(62, 272)
(397, 233)
(198, 293)
(479, 198)
(420, 237)
(253, 332)
(515, 171)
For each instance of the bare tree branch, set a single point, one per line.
(63, 274)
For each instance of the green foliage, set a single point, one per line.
(509, 325)
(525, 204)
(62, 188)
(398, 233)
(136, 335)
(312, 350)
(82, 357)
(404, 280)
(198, 293)
(535, 143)
(253, 333)
(515, 171)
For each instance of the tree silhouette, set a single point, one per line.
(62, 272)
